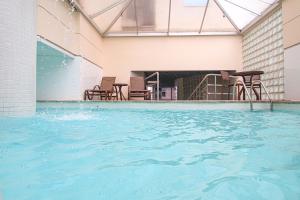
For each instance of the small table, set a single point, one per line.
(247, 78)
(118, 87)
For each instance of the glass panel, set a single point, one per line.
(257, 6)
(240, 16)
(215, 20)
(195, 2)
(127, 22)
(104, 20)
(151, 15)
(185, 19)
(94, 6)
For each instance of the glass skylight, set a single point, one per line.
(172, 17)
(195, 2)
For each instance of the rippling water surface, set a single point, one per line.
(137, 154)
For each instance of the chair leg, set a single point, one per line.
(256, 94)
(87, 95)
(84, 96)
(239, 93)
(260, 92)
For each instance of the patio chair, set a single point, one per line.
(256, 84)
(227, 83)
(137, 88)
(104, 90)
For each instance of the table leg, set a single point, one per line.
(240, 92)
(260, 92)
(117, 93)
(122, 97)
(120, 92)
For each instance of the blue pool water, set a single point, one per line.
(109, 152)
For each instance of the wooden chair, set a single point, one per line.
(104, 90)
(256, 84)
(226, 83)
(137, 88)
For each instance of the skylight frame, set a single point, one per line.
(107, 33)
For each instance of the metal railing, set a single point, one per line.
(236, 82)
(157, 83)
(196, 91)
(246, 91)
(265, 89)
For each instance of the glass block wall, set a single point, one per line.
(263, 50)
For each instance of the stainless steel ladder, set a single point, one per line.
(154, 82)
(249, 95)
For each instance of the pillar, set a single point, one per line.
(17, 57)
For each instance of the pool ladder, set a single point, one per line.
(153, 83)
(249, 94)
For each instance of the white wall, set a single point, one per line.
(90, 75)
(17, 57)
(63, 77)
(127, 54)
(292, 72)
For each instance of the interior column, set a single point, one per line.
(17, 57)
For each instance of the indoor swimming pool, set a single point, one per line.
(150, 151)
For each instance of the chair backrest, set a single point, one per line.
(107, 83)
(137, 83)
(225, 75)
(254, 78)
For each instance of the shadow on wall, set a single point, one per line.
(63, 77)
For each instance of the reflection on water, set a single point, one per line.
(108, 153)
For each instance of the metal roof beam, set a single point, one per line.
(204, 15)
(242, 7)
(169, 18)
(136, 19)
(117, 17)
(107, 9)
(78, 7)
(227, 16)
(177, 34)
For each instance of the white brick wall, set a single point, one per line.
(17, 57)
(263, 50)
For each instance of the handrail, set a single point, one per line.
(246, 90)
(199, 85)
(151, 75)
(234, 86)
(157, 82)
(265, 89)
